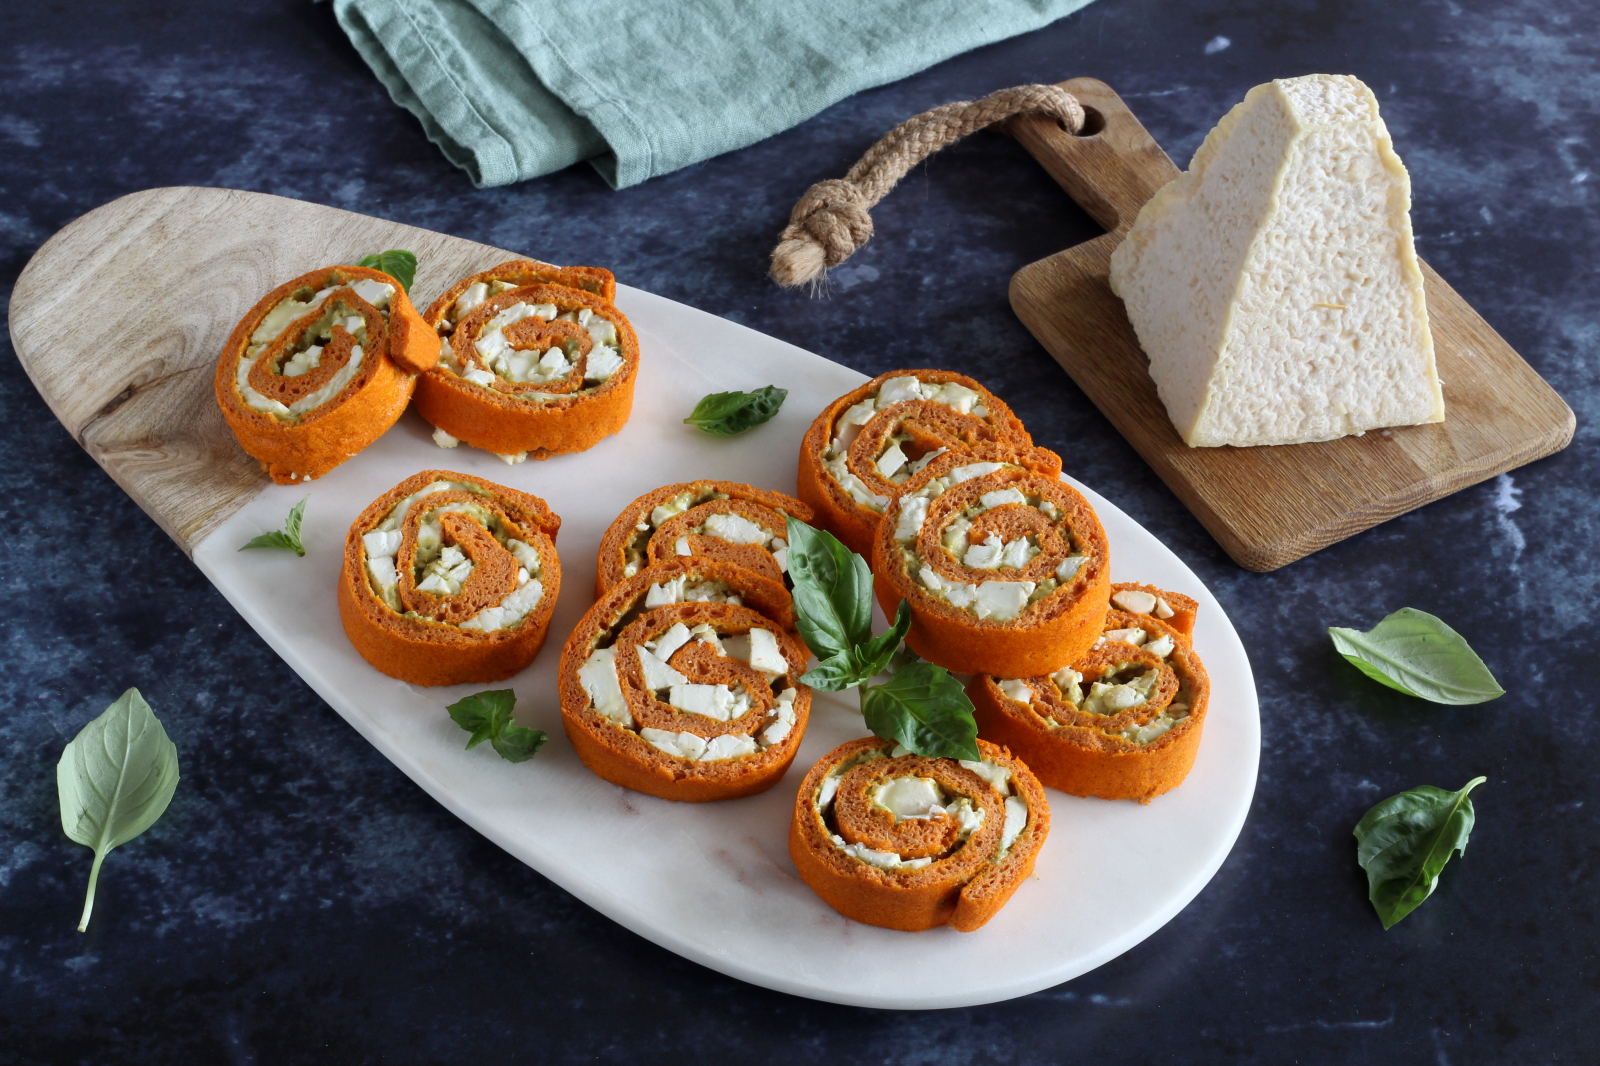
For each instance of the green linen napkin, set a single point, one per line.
(512, 89)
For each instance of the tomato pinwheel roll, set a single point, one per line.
(1006, 570)
(320, 368)
(464, 297)
(866, 444)
(1173, 608)
(449, 578)
(528, 370)
(1123, 722)
(909, 842)
(710, 519)
(682, 682)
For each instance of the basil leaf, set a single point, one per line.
(1404, 842)
(874, 656)
(487, 716)
(1416, 653)
(863, 662)
(290, 536)
(925, 709)
(727, 414)
(832, 591)
(398, 263)
(114, 780)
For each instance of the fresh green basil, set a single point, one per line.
(925, 709)
(1416, 653)
(487, 716)
(288, 537)
(863, 662)
(398, 263)
(727, 414)
(832, 591)
(1404, 842)
(921, 706)
(114, 780)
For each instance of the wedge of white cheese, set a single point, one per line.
(1274, 284)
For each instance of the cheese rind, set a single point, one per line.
(1274, 285)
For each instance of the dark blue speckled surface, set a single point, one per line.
(302, 901)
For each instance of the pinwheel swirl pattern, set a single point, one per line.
(867, 444)
(682, 682)
(708, 519)
(532, 363)
(320, 368)
(909, 842)
(449, 578)
(1122, 722)
(1006, 570)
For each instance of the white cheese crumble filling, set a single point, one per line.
(279, 319)
(602, 682)
(505, 363)
(893, 465)
(1016, 689)
(678, 590)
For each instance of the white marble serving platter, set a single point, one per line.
(713, 882)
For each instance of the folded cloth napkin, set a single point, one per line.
(512, 89)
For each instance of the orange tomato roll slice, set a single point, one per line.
(869, 442)
(709, 519)
(320, 368)
(1123, 722)
(1007, 570)
(682, 682)
(449, 578)
(534, 361)
(907, 842)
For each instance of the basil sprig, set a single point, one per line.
(921, 706)
(398, 263)
(288, 537)
(727, 414)
(1404, 842)
(114, 780)
(487, 716)
(1416, 653)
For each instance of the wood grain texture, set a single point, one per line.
(1266, 506)
(170, 272)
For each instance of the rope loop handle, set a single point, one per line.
(831, 220)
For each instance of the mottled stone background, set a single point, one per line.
(302, 901)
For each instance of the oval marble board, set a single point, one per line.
(175, 268)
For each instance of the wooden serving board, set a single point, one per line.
(147, 412)
(1267, 506)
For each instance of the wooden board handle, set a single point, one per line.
(1112, 168)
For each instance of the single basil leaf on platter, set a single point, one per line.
(925, 709)
(398, 263)
(1418, 654)
(288, 537)
(1404, 842)
(832, 591)
(727, 414)
(487, 716)
(114, 780)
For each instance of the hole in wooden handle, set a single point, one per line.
(1093, 122)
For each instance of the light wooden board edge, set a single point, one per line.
(146, 413)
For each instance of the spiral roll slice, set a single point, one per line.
(320, 368)
(907, 842)
(1006, 570)
(868, 443)
(466, 295)
(708, 519)
(1173, 608)
(528, 367)
(681, 682)
(449, 578)
(1123, 722)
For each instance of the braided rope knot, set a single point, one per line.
(831, 220)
